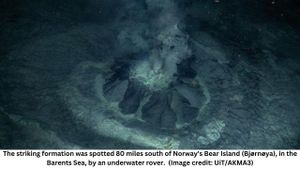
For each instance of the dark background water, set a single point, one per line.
(254, 87)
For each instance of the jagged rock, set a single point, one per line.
(157, 112)
(132, 98)
(115, 91)
(192, 94)
(185, 113)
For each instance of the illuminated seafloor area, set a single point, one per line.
(150, 74)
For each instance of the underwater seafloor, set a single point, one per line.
(187, 74)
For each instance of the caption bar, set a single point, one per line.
(149, 158)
